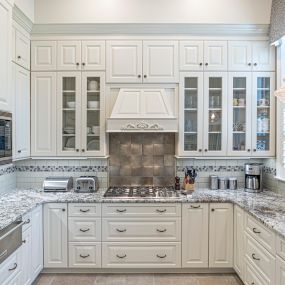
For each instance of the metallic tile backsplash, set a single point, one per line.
(142, 159)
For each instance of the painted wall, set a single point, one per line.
(153, 11)
(27, 7)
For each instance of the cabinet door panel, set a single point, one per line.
(69, 55)
(263, 56)
(22, 50)
(124, 61)
(93, 55)
(195, 235)
(191, 55)
(160, 61)
(240, 56)
(215, 55)
(27, 257)
(43, 114)
(280, 271)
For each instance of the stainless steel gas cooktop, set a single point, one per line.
(141, 192)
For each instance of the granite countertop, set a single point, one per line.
(268, 207)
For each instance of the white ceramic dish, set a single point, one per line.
(71, 104)
(93, 145)
(70, 143)
(93, 104)
(69, 130)
(96, 130)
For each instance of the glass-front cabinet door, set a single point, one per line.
(92, 113)
(215, 113)
(191, 104)
(68, 115)
(263, 112)
(239, 114)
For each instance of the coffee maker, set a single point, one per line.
(253, 177)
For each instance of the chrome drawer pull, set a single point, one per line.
(121, 231)
(84, 230)
(121, 256)
(161, 231)
(121, 211)
(84, 211)
(161, 256)
(161, 211)
(4, 253)
(27, 221)
(84, 256)
(195, 207)
(254, 257)
(15, 266)
(255, 231)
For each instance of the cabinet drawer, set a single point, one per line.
(260, 257)
(84, 255)
(141, 229)
(251, 276)
(259, 232)
(84, 210)
(141, 210)
(141, 255)
(280, 246)
(10, 267)
(84, 229)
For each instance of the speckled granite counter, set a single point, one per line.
(267, 207)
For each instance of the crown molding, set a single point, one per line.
(20, 18)
(151, 29)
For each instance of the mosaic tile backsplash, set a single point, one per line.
(142, 159)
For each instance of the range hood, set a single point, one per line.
(142, 110)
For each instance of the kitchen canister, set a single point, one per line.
(214, 182)
(223, 183)
(233, 183)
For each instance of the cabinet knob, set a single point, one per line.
(77, 63)
(121, 256)
(24, 241)
(255, 64)
(249, 64)
(139, 76)
(19, 57)
(254, 257)
(84, 256)
(63, 210)
(201, 63)
(19, 151)
(206, 150)
(161, 256)
(248, 150)
(200, 150)
(213, 210)
(206, 63)
(254, 150)
(27, 221)
(77, 150)
(14, 267)
(145, 76)
(83, 63)
(83, 150)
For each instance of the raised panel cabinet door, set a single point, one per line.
(43, 114)
(240, 57)
(68, 55)
(263, 56)
(195, 235)
(221, 235)
(191, 55)
(238, 241)
(55, 235)
(93, 55)
(43, 55)
(215, 55)
(37, 241)
(22, 113)
(160, 62)
(280, 271)
(22, 50)
(124, 61)
(27, 257)
(5, 56)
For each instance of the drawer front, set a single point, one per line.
(82, 255)
(263, 235)
(141, 210)
(28, 221)
(84, 229)
(84, 210)
(141, 255)
(260, 257)
(141, 229)
(251, 276)
(10, 267)
(280, 247)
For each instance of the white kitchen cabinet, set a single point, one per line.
(5, 56)
(215, 56)
(238, 241)
(215, 114)
(68, 55)
(55, 235)
(221, 235)
(253, 277)
(93, 55)
(124, 61)
(195, 218)
(26, 250)
(15, 281)
(263, 56)
(191, 55)
(280, 246)
(43, 55)
(22, 49)
(22, 113)
(43, 114)
(239, 113)
(280, 271)
(263, 114)
(160, 61)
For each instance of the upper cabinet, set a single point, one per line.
(142, 61)
(251, 56)
(93, 55)
(22, 50)
(203, 55)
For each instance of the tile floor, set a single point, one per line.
(138, 279)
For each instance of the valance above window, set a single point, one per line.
(277, 20)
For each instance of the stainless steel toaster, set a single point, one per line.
(86, 184)
(58, 184)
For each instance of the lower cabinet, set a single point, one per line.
(195, 224)
(221, 235)
(27, 257)
(280, 271)
(252, 277)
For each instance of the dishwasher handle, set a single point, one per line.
(13, 229)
